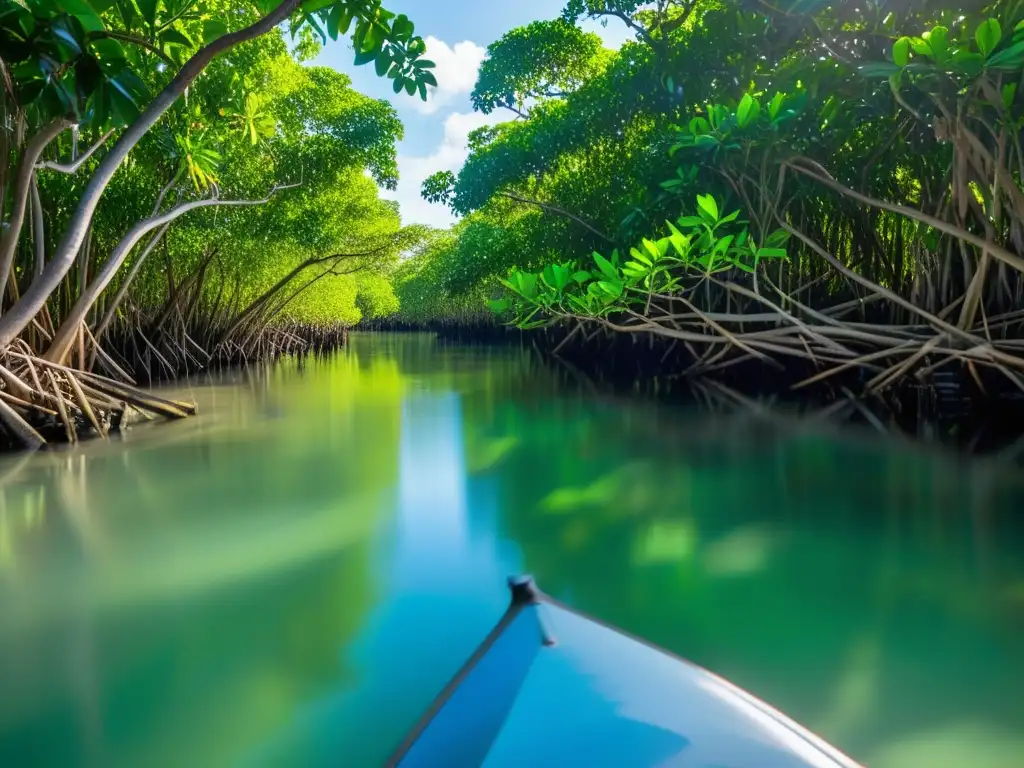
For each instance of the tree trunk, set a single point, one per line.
(76, 315)
(26, 308)
(22, 183)
(122, 291)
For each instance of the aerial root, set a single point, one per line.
(40, 397)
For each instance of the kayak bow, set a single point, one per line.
(550, 686)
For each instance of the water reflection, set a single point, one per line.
(290, 578)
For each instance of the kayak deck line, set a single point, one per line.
(603, 697)
(442, 698)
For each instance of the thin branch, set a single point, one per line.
(184, 9)
(63, 338)
(628, 21)
(22, 183)
(125, 38)
(38, 232)
(943, 226)
(557, 210)
(73, 167)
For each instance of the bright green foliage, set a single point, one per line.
(254, 120)
(427, 290)
(97, 60)
(819, 119)
(543, 60)
(696, 248)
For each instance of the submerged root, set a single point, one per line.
(39, 397)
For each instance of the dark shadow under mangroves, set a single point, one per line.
(293, 575)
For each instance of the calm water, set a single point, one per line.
(290, 578)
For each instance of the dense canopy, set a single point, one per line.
(177, 187)
(839, 184)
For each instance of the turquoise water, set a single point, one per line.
(289, 578)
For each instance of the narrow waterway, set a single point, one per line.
(289, 578)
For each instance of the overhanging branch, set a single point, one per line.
(74, 166)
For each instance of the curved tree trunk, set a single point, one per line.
(22, 184)
(122, 291)
(66, 333)
(28, 306)
(261, 302)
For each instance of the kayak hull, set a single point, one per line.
(550, 686)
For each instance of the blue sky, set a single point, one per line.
(457, 34)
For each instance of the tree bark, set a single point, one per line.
(38, 232)
(22, 183)
(122, 291)
(76, 163)
(66, 333)
(28, 306)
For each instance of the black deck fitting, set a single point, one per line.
(524, 590)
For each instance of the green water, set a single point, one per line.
(289, 578)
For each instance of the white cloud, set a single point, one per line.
(449, 156)
(456, 70)
(456, 73)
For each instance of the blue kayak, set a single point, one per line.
(552, 687)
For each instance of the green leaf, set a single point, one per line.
(582, 277)
(212, 30)
(901, 52)
(920, 46)
(967, 62)
(364, 57)
(641, 257)
(311, 20)
(382, 64)
(878, 69)
(938, 41)
(67, 38)
(1009, 58)
(775, 104)
(1009, 92)
(83, 12)
(334, 20)
(148, 9)
(747, 110)
(373, 39)
(402, 28)
(428, 79)
(174, 37)
(499, 306)
(605, 266)
(652, 249)
(988, 35)
(707, 205)
(425, 64)
(771, 253)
